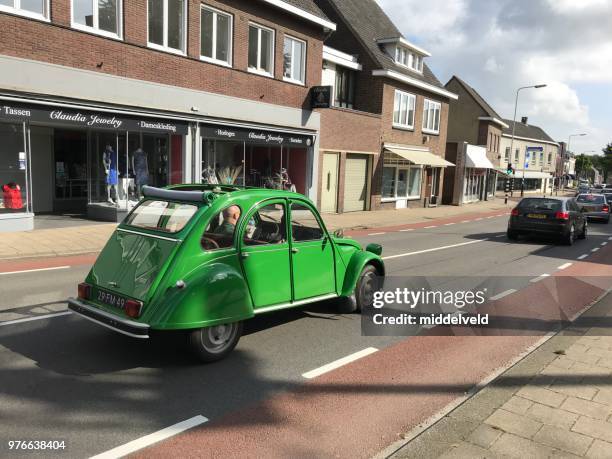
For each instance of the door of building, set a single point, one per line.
(355, 182)
(329, 188)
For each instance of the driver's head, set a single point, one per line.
(231, 214)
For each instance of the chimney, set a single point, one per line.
(524, 120)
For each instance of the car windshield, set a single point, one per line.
(166, 216)
(540, 204)
(591, 198)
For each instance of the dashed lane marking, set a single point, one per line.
(34, 270)
(407, 229)
(376, 234)
(466, 221)
(499, 296)
(582, 257)
(339, 363)
(595, 249)
(604, 243)
(150, 439)
(564, 265)
(432, 226)
(448, 224)
(539, 278)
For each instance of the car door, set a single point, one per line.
(312, 254)
(264, 254)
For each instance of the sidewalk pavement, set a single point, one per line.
(556, 402)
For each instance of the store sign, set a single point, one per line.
(83, 118)
(256, 136)
(320, 96)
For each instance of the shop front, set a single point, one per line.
(77, 161)
(256, 157)
(480, 175)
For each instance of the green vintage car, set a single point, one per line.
(204, 258)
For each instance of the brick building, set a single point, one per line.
(99, 98)
(383, 141)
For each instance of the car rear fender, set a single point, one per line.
(356, 264)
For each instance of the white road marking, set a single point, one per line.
(150, 439)
(610, 238)
(466, 221)
(492, 216)
(34, 270)
(407, 229)
(595, 249)
(565, 265)
(539, 278)
(448, 224)
(478, 219)
(339, 363)
(500, 235)
(582, 257)
(604, 243)
(433, 250)
(432, 226)
(502, 294)
(375, 234)
(30, 319)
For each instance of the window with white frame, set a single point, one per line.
(431, 116)
(401, 182)
(261, 50)
(167, 25)
(99, 16)
(549, 159)
(507, 154)
(294, 60)
(516, 155)
(37, 9)
(408, 59)
(403, 109)
(215, 36)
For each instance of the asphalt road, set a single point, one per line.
(63, 378)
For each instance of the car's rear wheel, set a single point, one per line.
(583, 234)
(214, 343)
(570, 237)
(512, 235)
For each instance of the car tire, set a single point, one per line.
(583, 234)
(570, 237)
(210, 344)
(367, 283)
(512, 235)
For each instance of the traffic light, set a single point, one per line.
(511, 185)
(507, 185)
(509, 169)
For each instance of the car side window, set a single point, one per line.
(266, 226)
(304, 224)
(219, 233)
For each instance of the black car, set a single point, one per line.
(558, 217)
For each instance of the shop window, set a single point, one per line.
(388, 182)
(13, 169)
(266, 226)
(216, 36)
(167, 25)
(99, 16)
(70, 155)
(344, 89)
(401, 182)
(304, 224)
(431, 116)
(219, 233)
(37, 9)
(261, 50)
(294, 56)
(403, 110)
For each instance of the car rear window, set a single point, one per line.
(166, 216)
(591, 198)
(540, 204)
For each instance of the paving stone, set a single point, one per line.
(562, 362)
(605, 353)
(552, 416)
(600, 450)
(594, 428)
(583, 369)
(465, 450)
(541, 395)
(518, 405)
(484, 435)
(604, 396)
(574, 390)
(586, 408)
(514, 423)
(510, 445)
(563, 439)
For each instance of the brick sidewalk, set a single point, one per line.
(557, 402)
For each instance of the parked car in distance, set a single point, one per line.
(555, 217)
(202, 259)
(583, 189)
(594, 206)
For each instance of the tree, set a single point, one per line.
(583, 165)
(603, 162)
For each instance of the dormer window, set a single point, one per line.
(408, 58)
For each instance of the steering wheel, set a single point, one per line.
(209, 243)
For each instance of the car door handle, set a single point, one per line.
(244, 255)
(294, 250)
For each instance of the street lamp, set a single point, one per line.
(536, 86)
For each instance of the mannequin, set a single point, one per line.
(109, 160)
(140, 166)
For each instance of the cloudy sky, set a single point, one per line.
(498, 45)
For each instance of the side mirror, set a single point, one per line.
(339, 233)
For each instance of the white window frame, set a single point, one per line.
(96, 27)
(407, 168)
(409, 97)
(16, 9)
(257, 70)
(426, 107)
(408, 59)
(302, 81)
(181, 52)
(230, 42)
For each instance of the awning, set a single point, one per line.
(477, 157)
(420, 157)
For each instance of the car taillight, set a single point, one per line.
(84, 291)
(605, 209)
(132, 308)
(514, 212)
(562, 215)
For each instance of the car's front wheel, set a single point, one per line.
(369, 281)
(214, 343)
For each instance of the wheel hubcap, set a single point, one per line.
(216, 339)
(368, 287)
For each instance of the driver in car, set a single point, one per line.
(230, 218)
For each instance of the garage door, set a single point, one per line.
(355, 182)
